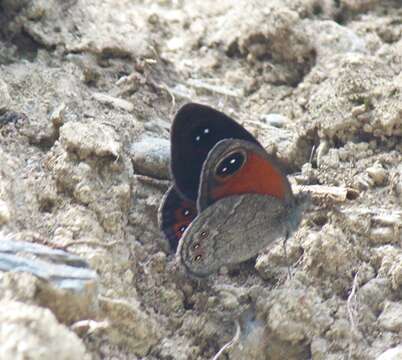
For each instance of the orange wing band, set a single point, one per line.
(257, 176)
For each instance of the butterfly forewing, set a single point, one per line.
(195, 131)
(235, 167)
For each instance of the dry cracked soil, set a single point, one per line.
(88, 90)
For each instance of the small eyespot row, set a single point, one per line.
(204, 234)
(197, 258)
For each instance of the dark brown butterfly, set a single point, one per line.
(230, 198)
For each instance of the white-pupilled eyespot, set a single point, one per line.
(231, 164)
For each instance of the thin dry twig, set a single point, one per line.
(229, 344)
(351, 306)
(352, 302)
(337, 193)
(91, 242)
(313, 149)
(203, 84)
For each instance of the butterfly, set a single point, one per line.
(229, 197)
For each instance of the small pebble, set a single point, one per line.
(275, 120)
(377, 173)
(358, 110)
(151, 156)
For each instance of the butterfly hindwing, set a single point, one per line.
(175, 215)
(195, 131)
(230, 231)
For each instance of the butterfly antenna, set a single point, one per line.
(286, 254)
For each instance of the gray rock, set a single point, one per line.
(391, 317)
(63, 269)
(48, 277)
(151, 156)
(64, 276)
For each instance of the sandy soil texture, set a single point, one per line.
(88, 90)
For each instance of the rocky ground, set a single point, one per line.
(88, 90)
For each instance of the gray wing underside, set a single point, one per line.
(239, 227)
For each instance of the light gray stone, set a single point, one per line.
(391, 317)
(151, 156)
(5, 98)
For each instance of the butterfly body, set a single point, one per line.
(230, 198)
